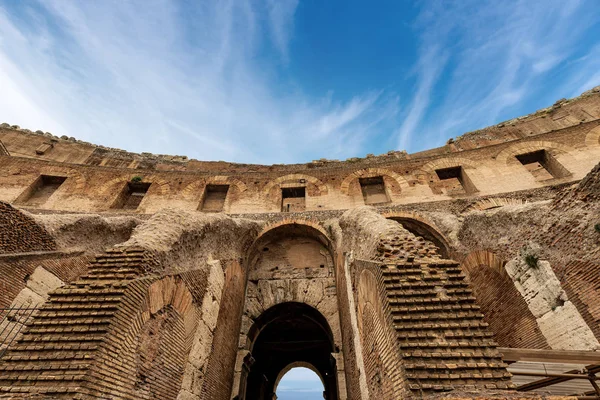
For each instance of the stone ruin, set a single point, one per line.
(459, 272)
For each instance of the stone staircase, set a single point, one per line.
(444, 343)
(55, 351)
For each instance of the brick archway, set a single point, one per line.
(402, 184)
(283, 336)
(320, 187)
(421, 226)
(507, 156)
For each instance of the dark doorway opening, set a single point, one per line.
(293, 199)
(288, 334)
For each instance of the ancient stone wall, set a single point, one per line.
(19, 233)
(403, 271)
(51, 185)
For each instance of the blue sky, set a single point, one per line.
(300, 384)
(283, 81)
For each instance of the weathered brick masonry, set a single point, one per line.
(392, 276)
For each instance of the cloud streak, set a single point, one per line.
(503, 55)
(156, 79)
(216, 81)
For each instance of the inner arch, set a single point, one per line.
(299, 378)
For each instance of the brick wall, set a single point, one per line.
(350, 361)
(582, 283)
(503, 306)
(381, 353)
(16, 269)
(20, 233)
(218, 380)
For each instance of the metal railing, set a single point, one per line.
(12, 322)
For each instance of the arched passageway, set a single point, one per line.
(288, 334)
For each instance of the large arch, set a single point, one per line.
(287, 228)
(503, 307)
(287, 334)
(420, 226)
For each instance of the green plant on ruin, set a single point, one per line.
(597, 227)
(136, 179)
(531, 260)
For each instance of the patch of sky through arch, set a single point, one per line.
(300, 384)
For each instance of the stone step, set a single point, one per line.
(441, 326)
(33, 338)
(74, 322)
(10, 370)
(432, 300)
(458, 366)
(67, 329)
(76, 315)
(438, 307)
(80, 306)
(64, 298)
(450, 344)
(33, 379)
(88, 291)
(469, 316)
(463, 375)
(401, 292)
(448, 335)
(58, 357)
(51, 391)
(64, 348)
(445, 386)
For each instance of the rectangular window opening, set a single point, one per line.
(542, 165)
(214, 198)
(373, 190)
(455, 181)
(40, 191)
(132, 195)
(293, 199)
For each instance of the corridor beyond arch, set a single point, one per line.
(288, 335)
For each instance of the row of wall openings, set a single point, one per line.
(373, 190)
(455, 181)
(542, 165)
(293, 199)
(40, 190)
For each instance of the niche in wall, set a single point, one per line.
(132, 195)
(373, 190)
(455, 181)
(214, 198)
(293, 199)
(40, 190)
(542, 165)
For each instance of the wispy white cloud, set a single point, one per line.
(163, 79)
(430, 65)
(502, 55)
(281, 22)
(167, 79)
